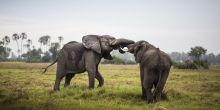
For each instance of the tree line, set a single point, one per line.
(45, 53)
(211, 58)
(48, 51)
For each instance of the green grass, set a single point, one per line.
(23, 87)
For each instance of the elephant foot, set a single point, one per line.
(157, 98)
(52, 92)
(91, 88)
(149, 101)
(100, 85)
(66, 85)
(56, 89)
(144, 97)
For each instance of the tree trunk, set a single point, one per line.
(18, 50)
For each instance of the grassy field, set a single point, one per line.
(23, 87)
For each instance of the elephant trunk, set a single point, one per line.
(121, 42)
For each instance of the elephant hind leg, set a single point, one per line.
(161, 84)
(148, 84)
(99, 77)
(59, 75)
(68, 78)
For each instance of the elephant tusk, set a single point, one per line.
(125, 49)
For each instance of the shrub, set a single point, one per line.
(192, 65)
(46, 57)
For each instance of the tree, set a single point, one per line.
(54, 49)
(3, 53)
(33, 55)
(40, 40)
(45, 40)
(23, 36)
(1, 43)
(28, 45)
(16, 37)
(60, 38)
(46, 57)
(197, 52)
(211, 58)
(6, 41)
(218, 59)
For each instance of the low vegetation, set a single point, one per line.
(192, 65)
(23, 87)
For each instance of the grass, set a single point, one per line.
(23, 87)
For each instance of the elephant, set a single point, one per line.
(75, 58)
(154, 68)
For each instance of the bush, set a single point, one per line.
(185, 65)
(46, 57)
(192, 65)
(34, 59)
(202, 64)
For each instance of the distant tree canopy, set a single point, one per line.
(196, 62)
(33, 55)
(4, 50)
(197, 52)
(54, 49)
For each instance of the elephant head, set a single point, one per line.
(104, 44)
(138, 48)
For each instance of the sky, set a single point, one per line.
(171, 25)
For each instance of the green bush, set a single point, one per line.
(185, 65)
(46, 57)
(192, 65)
(202, 64)
(34, 59)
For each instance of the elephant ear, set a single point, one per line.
(137, 53)
(139, 49)
(92, 42)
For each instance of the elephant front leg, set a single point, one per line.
(91, 80)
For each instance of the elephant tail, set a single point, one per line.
(45, 69)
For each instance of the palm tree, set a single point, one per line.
(45, 40)
(6, 41)
(1, 43)
(40, 40)
(16, 37)
(60, 38)
(28, 45)
(23, 36)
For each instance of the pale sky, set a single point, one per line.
(171, 25)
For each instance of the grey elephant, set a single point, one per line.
(154, 68)
(75, 58)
